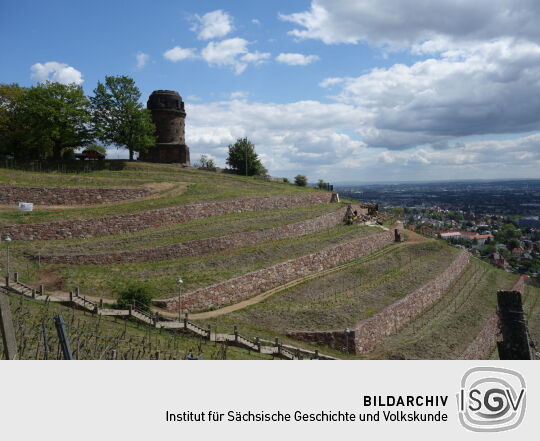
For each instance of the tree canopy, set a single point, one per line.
(300, 180)
(118, 116)
(46, 120)
(244, 160)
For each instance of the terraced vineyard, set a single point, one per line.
(106, 338)
(341, 299)
(310, 277)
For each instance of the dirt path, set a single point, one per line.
(412, 238)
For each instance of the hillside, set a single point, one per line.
(272, 259)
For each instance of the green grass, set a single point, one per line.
(446, 330)
(341, 299)
(95, 337)
(532, 311)
(203, 187)
(178, 233)
(104, 280)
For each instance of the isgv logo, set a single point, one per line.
(491, 399)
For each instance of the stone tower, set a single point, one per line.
(169, 117)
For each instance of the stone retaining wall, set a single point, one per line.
(207, 245)
(68, 195)
(245, 286)
(486, 339)
(366, 334)
(333, 339)
(130, 223)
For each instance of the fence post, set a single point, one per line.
(8, 332)
(235, 333)
(185, 320)
(62, 337)
(515, 343)
(41, 290)
(16, 274)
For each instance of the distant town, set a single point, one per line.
(497, 221)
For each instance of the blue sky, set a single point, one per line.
(336, 89)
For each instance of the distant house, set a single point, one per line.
(517, 251)
(467, 235)
(429, 231)
(450, 235)
(498, 260)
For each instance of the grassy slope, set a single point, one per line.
(101, 280)
(532, 310)
(203, 187)
(171, 234)
(95, 337)
(446, 330)
(341, 299)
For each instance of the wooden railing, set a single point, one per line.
(275, 348)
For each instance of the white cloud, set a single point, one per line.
(256, 57)
(142, 59)
(233, 53)
(481, 90)
(332, 81)
(256, 22)
(404, 23)
(178, 53)
(239, 95)
(215, 24)
(290, 137)
(296, 59)
(57, 72)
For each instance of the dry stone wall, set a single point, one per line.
(207, 245)
(366, 334)
(485, 341)
(130, 223)
(248, 285)
(68, 195)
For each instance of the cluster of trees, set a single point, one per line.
(51, 120)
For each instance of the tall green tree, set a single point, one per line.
(300, 180)
(118, 116)
(244, 160)
(55, 117)
(12, 133)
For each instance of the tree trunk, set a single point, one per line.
(130, 154)
(57, 150)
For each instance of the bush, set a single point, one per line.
(140, 295)
(300, 180)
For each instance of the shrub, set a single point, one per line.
(140, 295)
(300, 180)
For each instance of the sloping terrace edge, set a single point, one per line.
(207, 245)
(243, 287)
(133, 222)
